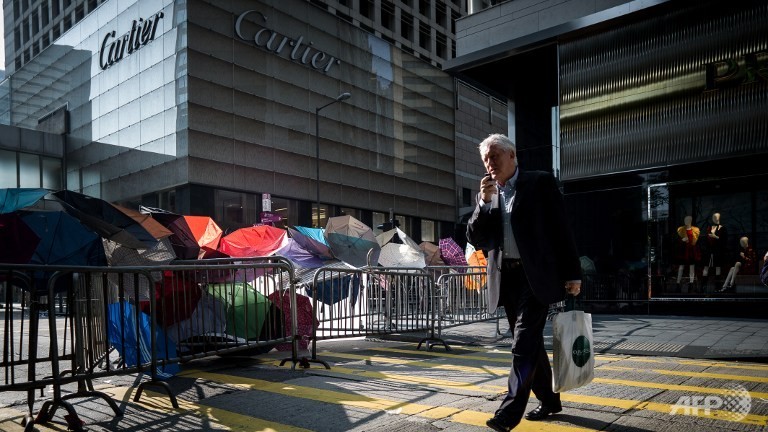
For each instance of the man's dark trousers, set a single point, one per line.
(530, 364)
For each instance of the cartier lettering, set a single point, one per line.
(142, 32)
(294, 49)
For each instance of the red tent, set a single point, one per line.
(260, 240)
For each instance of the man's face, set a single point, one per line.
(499, 163)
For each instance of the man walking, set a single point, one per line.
(520, 222)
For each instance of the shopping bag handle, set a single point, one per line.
(570, 302)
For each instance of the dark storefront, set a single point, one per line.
(662, 115)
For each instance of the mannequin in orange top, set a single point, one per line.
(689, 251)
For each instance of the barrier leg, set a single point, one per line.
(49, 409)
(162, 384)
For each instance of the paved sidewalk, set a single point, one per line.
(673, 336)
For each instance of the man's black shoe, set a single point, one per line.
(542, 411)
(500, 423)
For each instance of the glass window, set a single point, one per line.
(427, 230)
(51, 173)
(29, 170)
(693, 237)
(8, 169)
(234, 209)
(324, 212)
(355, 213)
(378, 220)
(167, 201)
(404, 224)
(286, 209)
(25, 29)
(35, 23)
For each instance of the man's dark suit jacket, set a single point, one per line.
(543, 236)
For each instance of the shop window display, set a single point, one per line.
(711, 251)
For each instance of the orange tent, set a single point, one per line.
(206, 232)
(479, 263)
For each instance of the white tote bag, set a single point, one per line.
(574, 359)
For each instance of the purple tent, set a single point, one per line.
(452, 253)
(299, 256)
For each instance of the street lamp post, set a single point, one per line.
(339, 98)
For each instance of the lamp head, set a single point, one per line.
(343, 96)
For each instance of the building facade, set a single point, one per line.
(229, 109)
(650, 112)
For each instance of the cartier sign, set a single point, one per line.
(142, 32)
(294, 49)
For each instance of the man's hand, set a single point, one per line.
(573, 288)
(487, 188)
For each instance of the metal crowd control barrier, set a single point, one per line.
(461, 297)
(123, 320)
(368, 302)
(273, 278)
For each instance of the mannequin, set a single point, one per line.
(764, 270)
(745, 263)
(689, 252)
(717, 238)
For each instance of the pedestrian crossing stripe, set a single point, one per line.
(233, 421)
(161, 403)
(676, 387)
(462, 356)
(626, 404)
(602, 367)
(691, 374)
(11, 420)
(504, 372)
(413, 379)
(607, 357)
(421, 410)
(456, 415)
(716, 364)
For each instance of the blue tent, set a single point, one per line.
(63, 241)
(313, 240)
(18, 198)
(136, 349)
(335, 289)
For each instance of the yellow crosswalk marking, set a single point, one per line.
(601, 367)
(416, 379)
(691, 374)
(605, 357)
(504, 372)
(233, 421)
(626, 404)
(11, 420)
(476, 418)
(717, 364)
(676, 387)
(419, 363)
